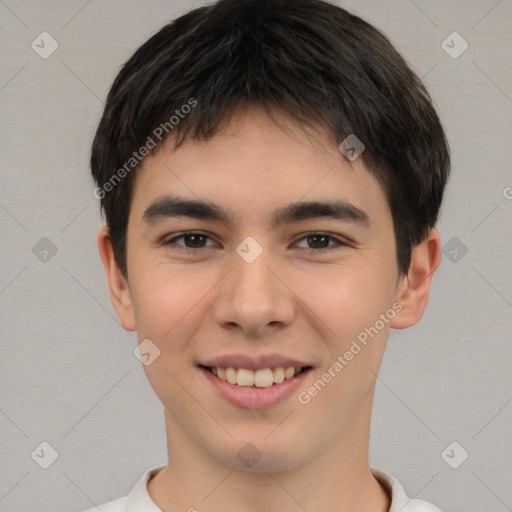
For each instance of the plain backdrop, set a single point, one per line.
(68, 376)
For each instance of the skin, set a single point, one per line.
(294, 300)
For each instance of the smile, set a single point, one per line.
(256, 388)
(261, 378)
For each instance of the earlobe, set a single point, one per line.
(415, 286)
(118, 286)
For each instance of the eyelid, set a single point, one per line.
(168, 240)
(339, 241)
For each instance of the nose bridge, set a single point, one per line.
(252, 277)
(252, 296)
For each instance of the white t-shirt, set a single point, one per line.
(139, 500)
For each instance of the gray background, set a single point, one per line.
(67, 372)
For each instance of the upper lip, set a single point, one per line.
(256, 362)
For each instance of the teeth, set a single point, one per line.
(231, 375)
(262, 378)
(289, 372)
(279, 375)
(245, 377)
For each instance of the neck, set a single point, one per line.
(337, 478)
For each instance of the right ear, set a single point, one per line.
(117, 284)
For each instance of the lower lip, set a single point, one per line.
(252, 397)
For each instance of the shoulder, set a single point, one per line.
(118, 505)
(137, 500)
(419, 506)
(399, 500)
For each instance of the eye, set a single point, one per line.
(193, 240)
(197, 240)
(320, 241)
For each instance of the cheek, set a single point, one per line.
(158, 302)
(168, 303)
(344, 300)
(348, 304)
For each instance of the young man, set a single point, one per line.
(271, 174)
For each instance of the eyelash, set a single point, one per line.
(172, 240)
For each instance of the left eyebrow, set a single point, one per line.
(173, 206)
(335, 209)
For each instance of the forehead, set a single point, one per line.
(253, 167)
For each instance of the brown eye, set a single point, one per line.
(192, 241)
(319, 241)
(196, 240)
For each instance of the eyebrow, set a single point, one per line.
(174, 206)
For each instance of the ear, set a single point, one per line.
(415, 286)
(117, 283)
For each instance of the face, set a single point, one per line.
(286, 259)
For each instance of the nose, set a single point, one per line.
(254, 297)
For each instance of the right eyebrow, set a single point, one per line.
(172, 206)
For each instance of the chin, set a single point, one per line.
(260, 455)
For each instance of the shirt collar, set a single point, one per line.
(399, 500)
(139, 499)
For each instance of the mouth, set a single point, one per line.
(257, 387)
(260, 378)
(255, 381)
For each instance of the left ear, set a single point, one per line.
(415, 286)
